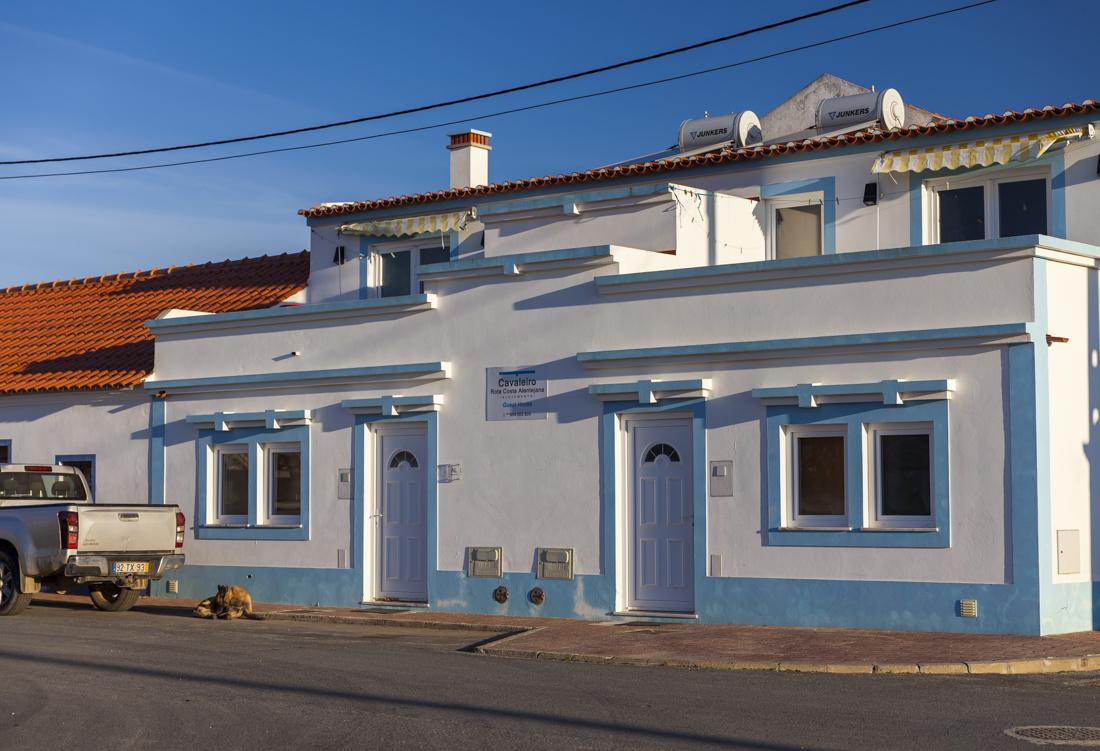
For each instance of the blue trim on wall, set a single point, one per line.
(613, 412)
(1058, 194)
(832, 261)
(62, 458)
(827, 185)
(7, 442)
(364, 468)
(778, 345)
(854, 416)
(378, 372)
(543, 256)
(254, 437)
(157, 416)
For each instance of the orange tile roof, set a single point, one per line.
(704, 160)
(90, 333)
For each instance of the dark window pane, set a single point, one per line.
(396, 270)
(821, 476)
(962, 214)
(906, 475)
(798, 231)
(433, 255)
(1022, 208)
(287, 482)
(4, 458)
(86, 467)
(234, 485)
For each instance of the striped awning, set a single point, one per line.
(983, 153)
(413, 225)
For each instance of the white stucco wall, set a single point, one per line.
(537, 483)
(114, 426)
(1074, 394)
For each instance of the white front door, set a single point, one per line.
(402, 514)
(661, 516)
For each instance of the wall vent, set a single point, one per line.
(173, 586)
(968, 608)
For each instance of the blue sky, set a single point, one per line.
(81, 78)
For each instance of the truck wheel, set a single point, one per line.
(12, 601)
(113, 599)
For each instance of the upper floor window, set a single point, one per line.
(393, 266)
(796, 226)
(1006, 204)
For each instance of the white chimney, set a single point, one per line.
(469, 158)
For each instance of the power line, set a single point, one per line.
(464, 100)
(516, 109)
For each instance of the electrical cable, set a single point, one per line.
(464, 100)
(509, 111)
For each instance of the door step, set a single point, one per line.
(657, 614)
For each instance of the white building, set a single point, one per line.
(827, 378)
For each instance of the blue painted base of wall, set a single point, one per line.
(288, 586)
(896, 606)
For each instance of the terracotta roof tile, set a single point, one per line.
(89, 333)
(702, 160)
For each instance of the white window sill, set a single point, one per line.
(255, 526)
(815, 529)
(899, 529)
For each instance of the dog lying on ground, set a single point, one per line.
(229, 603)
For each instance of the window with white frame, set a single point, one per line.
(277, 480)
(901, 475)
(393, 265)
(283, 486)
(1007, 203)
(796, 226)
(816, 476)
(231, 483)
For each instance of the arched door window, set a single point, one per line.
(671, 455)
(403, 456)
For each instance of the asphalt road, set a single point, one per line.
(80, 679)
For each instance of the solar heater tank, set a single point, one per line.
(884, 106)
(743, 128)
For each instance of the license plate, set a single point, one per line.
(130, 568)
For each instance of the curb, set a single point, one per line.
(1003, 667)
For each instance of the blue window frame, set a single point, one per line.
(84, 462)
(263, 520)
(865, 521)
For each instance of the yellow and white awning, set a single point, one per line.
(983, 153)
(413, 225)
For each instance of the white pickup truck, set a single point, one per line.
(52, 533)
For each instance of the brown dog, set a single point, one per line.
(233, 602)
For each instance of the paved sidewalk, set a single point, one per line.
(705, 646)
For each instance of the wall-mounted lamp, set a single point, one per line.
(338, 257)
(870, 194)
(295, 353)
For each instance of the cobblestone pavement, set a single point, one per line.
(718, 646)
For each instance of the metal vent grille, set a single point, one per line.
(173, 586)
(968, 608)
